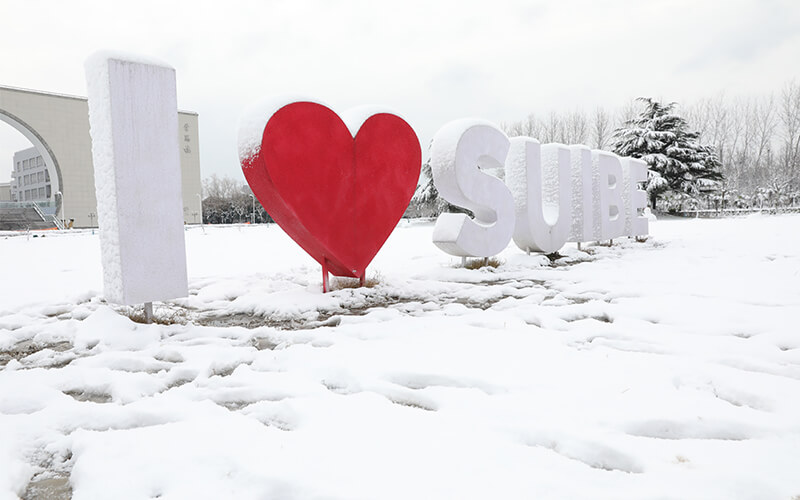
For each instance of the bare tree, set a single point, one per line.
(551, 128)
(575, 129)
(216, 187)
(765, 120)
(790, 121)
(601, 129)
(227, 200)
(513, 129)
(628, 112)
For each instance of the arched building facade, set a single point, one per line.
(58, 127)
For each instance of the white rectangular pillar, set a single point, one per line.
(133, 117)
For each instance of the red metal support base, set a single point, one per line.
(325, 282)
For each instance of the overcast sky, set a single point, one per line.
(432, 61)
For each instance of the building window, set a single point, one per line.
(41, 193)
(39, 161)
(40, 177)
(49, 191)
(47, 176)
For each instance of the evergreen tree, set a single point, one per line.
(676, 159)
(426, 201)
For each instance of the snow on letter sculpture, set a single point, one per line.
(554, 194)
(133, 118)
(337, 186)
(539, 178)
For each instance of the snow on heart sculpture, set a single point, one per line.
(337, 185)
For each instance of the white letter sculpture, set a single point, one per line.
(539, 179)
(612, 217)
(133, 119)
(583, 181)
(634, 173)
(556, 193)
(458, 153)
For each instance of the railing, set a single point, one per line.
(37, 207)
(48, 217)
(38, 210)
(27, 204)
(57, 222)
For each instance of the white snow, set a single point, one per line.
(663, 369)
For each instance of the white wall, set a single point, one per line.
(62, 124)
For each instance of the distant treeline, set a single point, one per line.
(227, 200)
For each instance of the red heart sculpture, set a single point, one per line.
(337, 196)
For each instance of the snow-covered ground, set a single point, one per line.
(664, 369)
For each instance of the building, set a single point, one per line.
(58, 127)
(5, 191)
(30, 179)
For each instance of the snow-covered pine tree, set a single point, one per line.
(426, 201)
(676, 159)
